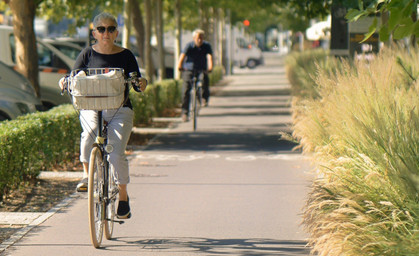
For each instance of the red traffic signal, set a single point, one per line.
(246, 23)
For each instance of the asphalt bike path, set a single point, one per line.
(230, 188)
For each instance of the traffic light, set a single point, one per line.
(246, 23)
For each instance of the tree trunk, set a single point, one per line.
(203, 22)
(26, 50)
(127, 25)
(413, 37)
(138, 23)
(178, 37)
(220, 37)
(148, 49)
(160, 42)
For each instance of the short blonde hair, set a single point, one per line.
(104, 16)
(198, 32)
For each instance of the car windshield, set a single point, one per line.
(71, 52)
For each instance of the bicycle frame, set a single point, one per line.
(102, 143)
(197, 78)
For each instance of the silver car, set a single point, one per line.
(69, 49)
(17, 96)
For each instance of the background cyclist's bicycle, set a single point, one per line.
(196, 95)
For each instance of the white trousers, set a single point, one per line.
(119, 131)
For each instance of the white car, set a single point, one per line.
(71, 50)
(17, 96)
(246, 54)
(72, 47)
(53, 65)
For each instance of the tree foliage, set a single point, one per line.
(398, 17)
(401, 17)
(80, 11)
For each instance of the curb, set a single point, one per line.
(23, 231)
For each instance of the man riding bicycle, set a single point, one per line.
(196, 56)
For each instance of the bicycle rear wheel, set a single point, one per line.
(96, 204)
(110, 206)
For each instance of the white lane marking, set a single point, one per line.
(242, 158)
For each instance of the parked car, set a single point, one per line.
(53, 65)
(72, 47)
(71, 50)
(17, 96)
(246, 54)
(82, 42)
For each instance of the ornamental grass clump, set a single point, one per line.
(302, 68)
(363, 134)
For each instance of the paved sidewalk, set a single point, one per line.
(230, 188)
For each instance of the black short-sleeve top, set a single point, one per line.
(89, 58)
(196, 57)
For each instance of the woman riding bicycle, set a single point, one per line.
(106, 54)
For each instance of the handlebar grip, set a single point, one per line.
(65, 85)
(136, 88)
(134, 78)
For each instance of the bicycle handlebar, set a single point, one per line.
(196, 71)
(133, 80)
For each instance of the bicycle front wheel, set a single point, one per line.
(96, 203)
(110, 206)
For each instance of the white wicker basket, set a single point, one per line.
(98, 90)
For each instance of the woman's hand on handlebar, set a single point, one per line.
(139, 84)
(142, 83)
(63, 84)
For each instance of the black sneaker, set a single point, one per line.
(82, 186)
(123, 212)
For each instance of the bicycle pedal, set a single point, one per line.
(82, 189)
(117, 221)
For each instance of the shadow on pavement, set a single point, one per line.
(255, 93)
(223, 141)
(209, 246)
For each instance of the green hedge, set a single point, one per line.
(36, 142)
(155, 100)
(216, 75)
(41, 140)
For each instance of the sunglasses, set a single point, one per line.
(102, 29)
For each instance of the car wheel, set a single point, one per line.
(251, 64)
(4, 117)
(47, 105)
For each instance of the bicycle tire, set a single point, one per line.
(195, 108)
(96, 204)
(110, 207)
